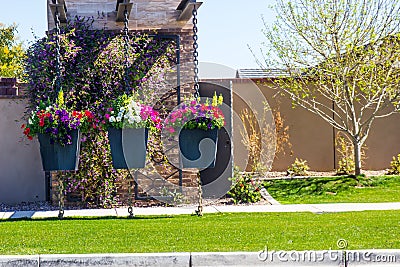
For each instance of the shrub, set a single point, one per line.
(298, 168)
(244, 189)
(395, 165)
(345, 151)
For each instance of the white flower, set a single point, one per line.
(137, 118)
(112, 119)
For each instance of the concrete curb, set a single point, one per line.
(377, 257)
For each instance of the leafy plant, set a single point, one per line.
(244, 189)
(176, 196)
(12, 53)
(262, 139)
(126, 112)
(57, 121)
(298, 168)
(345, 150)
(395, 165)
(196, 115)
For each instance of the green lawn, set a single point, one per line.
(213, 232)
(336, 190)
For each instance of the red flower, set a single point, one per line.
(27, 131)
(89, 114)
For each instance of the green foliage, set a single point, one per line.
(345, 166)
(175, 196)
(244, 189)
(95, 183)
(395, 165)
(345, 150)
(12, 53)
(298, 168)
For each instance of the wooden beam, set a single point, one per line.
(121, 9)
(186, 13)
(61, 11)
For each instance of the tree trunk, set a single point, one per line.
(357, 157)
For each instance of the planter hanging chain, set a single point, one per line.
(126, 50)
(58, 54)
(199, 210)
(195, 53)
(126, 81)
(61, 186)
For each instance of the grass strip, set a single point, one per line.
(213, 232)
(336, 190)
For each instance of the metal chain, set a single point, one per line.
(58, 48)
(126, 50)
(199, 210)
(195, 53)
(61, 187)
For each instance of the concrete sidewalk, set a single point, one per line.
(123, 212)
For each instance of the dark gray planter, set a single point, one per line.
(198, 148)
(128, 147)
(56, 157)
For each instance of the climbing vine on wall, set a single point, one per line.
(92, 73)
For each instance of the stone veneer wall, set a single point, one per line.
(145, 14)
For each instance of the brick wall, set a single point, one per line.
(8, 87)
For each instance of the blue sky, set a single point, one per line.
(226, 27)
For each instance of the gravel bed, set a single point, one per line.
(27, 206)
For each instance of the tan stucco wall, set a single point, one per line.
(21, 175)
(312, 138)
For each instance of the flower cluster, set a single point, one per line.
(196, 115)
(57, 121)
(126, 112)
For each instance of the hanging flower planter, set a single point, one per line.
(59, 132)
(197, 124)
(198, 148)
(127, 122)
(60, 157)
(128, 147)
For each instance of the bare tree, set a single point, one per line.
(341, 58)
